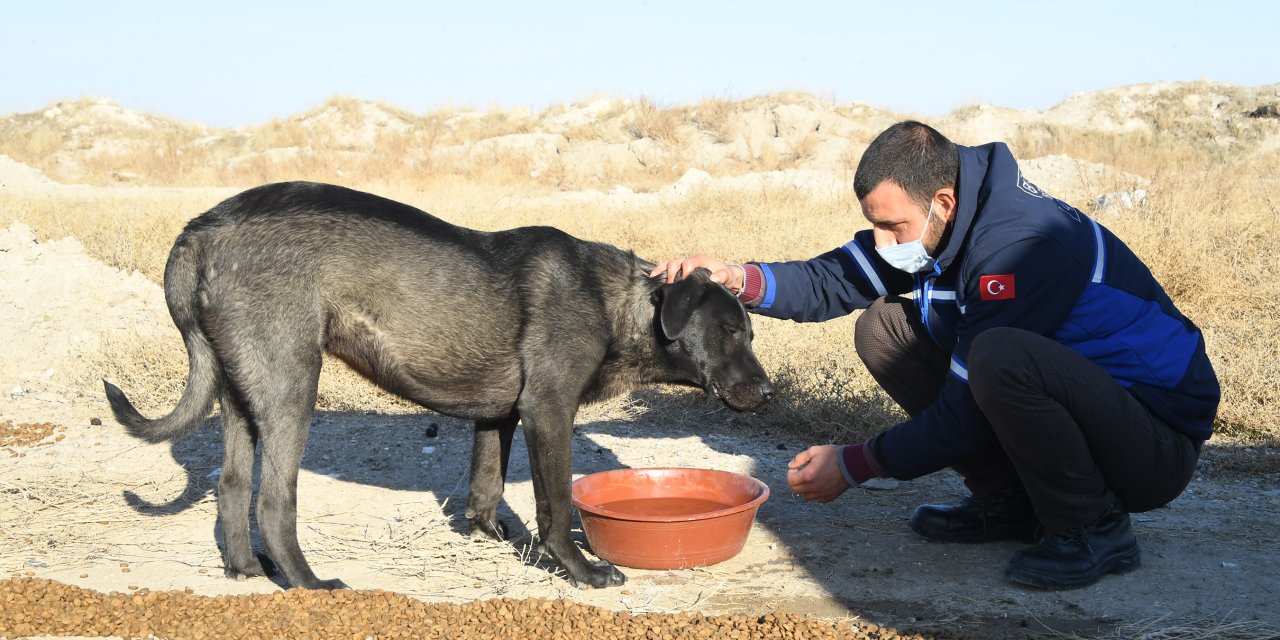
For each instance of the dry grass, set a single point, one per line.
(129, 229)
(1207, 239)
(650, 121)
(715, 117)
(1163, 629)
(1209, 231)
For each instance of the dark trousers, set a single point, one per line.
(1069, 435)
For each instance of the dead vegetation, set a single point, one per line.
(1209, 227)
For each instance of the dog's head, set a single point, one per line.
(707, 331)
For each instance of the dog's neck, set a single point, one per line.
(649, 348)
(637, 353)
(637, 334)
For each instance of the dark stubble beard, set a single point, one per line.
(936, 235)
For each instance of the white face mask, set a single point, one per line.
(910, 257)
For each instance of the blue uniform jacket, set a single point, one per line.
(1017, 257)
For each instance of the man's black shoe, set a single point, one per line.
(1003, 516)
(1078, 557)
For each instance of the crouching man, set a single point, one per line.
(1033, 351)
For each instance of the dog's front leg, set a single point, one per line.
(548, 433)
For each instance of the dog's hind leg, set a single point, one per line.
(489, 456)
(235, 488)
(283, 412)
(271, 355)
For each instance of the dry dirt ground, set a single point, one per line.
(381, 498)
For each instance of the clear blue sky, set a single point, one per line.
(235, 63)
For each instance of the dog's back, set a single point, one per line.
(426, 309)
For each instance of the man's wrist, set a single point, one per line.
(858, 464)
(742, 277)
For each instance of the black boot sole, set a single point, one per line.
(1122, 561)
(938, 535)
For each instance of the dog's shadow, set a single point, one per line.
(431, 453)
(424, 452)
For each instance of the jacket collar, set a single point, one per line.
(971, 193)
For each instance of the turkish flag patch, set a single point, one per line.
(996, 287)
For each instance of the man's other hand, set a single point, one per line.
(814, 474)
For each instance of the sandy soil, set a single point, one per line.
(380, 501)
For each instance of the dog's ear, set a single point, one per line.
(677, 301)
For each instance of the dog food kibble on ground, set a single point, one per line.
(23, 434)
(34, 607)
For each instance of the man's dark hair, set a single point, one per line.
(913, 155)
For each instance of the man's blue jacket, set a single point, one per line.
(1016, 257)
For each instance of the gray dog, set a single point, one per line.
(514, 326)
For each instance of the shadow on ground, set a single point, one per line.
(857, 549)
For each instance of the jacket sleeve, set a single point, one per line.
(1046, 279)
(830, 285)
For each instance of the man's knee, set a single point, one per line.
(872, 334)
(994, 359)
(874, 321)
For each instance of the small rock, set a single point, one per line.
(1110, 202)
(782, 447)
(433, 430)
(1265, 111)
(97, 422)
(428, 450)
(880, 484)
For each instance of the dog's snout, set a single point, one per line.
(767, 390)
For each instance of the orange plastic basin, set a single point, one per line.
(667, 518)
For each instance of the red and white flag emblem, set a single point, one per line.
(996, 287)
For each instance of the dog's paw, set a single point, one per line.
(598, 575)
(326, 585)
(251, 568)
(492, 528)
(244, 573)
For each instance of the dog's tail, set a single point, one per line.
(181, 278)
